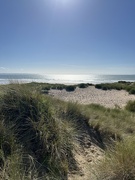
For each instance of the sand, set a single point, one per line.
(109, 98)
(86, 157)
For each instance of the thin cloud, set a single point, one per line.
(3, 68)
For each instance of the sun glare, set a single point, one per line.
(64, 2)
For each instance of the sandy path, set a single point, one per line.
(86, 158)
(109, 98)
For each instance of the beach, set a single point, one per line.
(89, 95)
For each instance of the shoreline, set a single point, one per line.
(66, 78)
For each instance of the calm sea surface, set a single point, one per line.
(67, 79)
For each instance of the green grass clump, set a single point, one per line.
(10, 155)
(98, 86)
(60, 87)
(118, 163)
(5, 146)
(109, 86)
(37, 127)
(130, 106)
(132, 91)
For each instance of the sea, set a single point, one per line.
(6, 78)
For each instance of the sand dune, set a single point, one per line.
(109, 98)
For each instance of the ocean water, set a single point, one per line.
(65, 79)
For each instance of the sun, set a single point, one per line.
(64, 2)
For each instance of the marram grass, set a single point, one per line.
(42, 135)
(118, 163)
(38, 135)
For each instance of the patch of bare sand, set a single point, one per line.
(86, 156)
(109, 98)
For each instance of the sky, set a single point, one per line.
(67, 36)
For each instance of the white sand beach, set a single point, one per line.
(109, 98)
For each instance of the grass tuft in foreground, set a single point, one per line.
(45, 139)
(118, 163)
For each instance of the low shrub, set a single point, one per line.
(70, 88)
(118, 88)
(132, 91)
(104, 88)
(82, 85)
(60, 87)
(122, 82)
(98, 86)
(46, 88)
(90, 84)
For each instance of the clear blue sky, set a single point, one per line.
(67, 36)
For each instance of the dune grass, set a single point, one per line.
(118, 163)
(130, 106)
(40, 131)
(38, 135)
(116, 128)
(115, 123)
(43, 87)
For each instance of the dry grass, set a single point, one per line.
(119, 162)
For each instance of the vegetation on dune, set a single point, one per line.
(118, 163)
(45, 87)
(128, 86)
(70, 88)
(116, 128)
(45, 138)
(114, 123)
(120, 85)
(130, 106)
(82, 85)
(38, 135)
